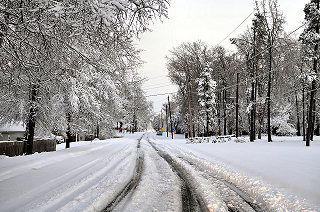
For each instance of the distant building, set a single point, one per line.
(10, 132)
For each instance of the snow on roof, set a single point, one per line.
(13, 127)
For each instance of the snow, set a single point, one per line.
(156, 173)
(75, 179)
(284, 167)
(13, 127)
(88, 176)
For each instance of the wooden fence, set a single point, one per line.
(14, 148)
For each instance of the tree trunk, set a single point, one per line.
(31, 127)
(134, 123)
(31, 119)
(313, 118)
(313, 92)
(260, 113)
(269, 93)
(298, 120)
(317, 131)
(98, 131)
(219, 113)
(303, 115)
(255, 110)
(193, 130)
(207, 124)
(224, 112)
(69, 136)
(261, 119)
(310, 113)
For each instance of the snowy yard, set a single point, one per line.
(98, 175)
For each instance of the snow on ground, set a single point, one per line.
(88, 176)
(159, 188)
(81, 178)
(285, 171)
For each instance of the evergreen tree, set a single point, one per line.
(206, 92)
(310, 38)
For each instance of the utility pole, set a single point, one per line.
(190, 116)
(252, 112)
(167, 119)
(237, 107)
(161, 119)
(170, 118)
(219, 113)
(224, 95)
(207, 106)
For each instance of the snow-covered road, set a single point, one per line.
(80, 178)
(140, 172)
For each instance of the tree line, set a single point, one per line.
(267, 86)
(68, 66)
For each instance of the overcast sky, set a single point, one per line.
(207, 20)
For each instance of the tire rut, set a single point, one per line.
(191, 200)
(241, 194)
(132, 184)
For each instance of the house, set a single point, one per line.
(10, 132)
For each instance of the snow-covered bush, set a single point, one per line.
(281, 126)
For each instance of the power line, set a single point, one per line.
(155, 77)
(236, 27)
(160, 94)
(217, 44)
(254, 56)
(157, 85)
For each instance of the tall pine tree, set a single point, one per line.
(310, 38)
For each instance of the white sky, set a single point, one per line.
(206, 20)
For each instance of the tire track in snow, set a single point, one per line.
(191, 200)
(230, 199)
(132, 184)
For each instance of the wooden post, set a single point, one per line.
(170, 118)
(224, 110)
(167, 119)
(190, 116)
(237, 107)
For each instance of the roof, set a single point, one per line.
(13, 127)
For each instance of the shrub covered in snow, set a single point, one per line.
(281, 126)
